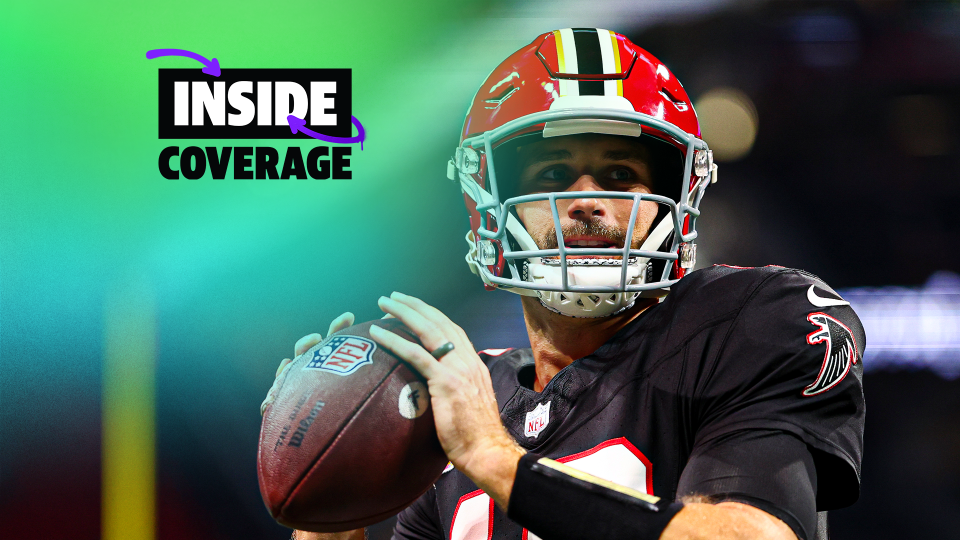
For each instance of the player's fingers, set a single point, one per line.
(414, 302)
(305, 343)
(429, 312)
(426, 331)
(272, 393)
(464, 340)
(414, 354)
(450, 330)
(447, 330)
(266, 403)
(388, 316)
(343, 321)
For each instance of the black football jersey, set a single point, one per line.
(730, 351)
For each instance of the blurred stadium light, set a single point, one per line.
(911, 328)
(729, 122)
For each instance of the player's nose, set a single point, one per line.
(585, 208)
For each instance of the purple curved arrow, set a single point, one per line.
(297, 124)
(211, 67)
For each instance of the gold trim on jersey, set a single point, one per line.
(580, 475)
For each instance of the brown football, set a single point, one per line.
(349, 439)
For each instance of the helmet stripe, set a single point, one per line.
(560, 61)
(589, 60)
(611, 60)
(616, 61)
(567, 55)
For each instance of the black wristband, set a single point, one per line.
(556, 501)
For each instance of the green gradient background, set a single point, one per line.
(83, 208)
(83, 203)
(236, 270)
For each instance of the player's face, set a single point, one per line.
(586, 163)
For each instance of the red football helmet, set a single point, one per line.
(568, 82)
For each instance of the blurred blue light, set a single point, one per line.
(820, 27)
(826, 40)
(911, 328)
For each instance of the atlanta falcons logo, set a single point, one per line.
(841, 352)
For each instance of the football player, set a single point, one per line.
(731, 407)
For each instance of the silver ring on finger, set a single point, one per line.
(440, 351)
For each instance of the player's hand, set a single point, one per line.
(302, 346)
(464, 405)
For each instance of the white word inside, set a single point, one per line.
(274, 101)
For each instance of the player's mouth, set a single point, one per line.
(595, 242)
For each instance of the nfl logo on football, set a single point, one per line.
(537, 420)
(342, 355)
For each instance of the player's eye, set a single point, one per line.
(552, 178)
(626, 178)
(621, 175)
(555, 175)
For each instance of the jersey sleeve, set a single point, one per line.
(791, 362)
(419, 521)
(770, 470)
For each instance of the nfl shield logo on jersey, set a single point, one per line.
(342, 355)
(537, 420)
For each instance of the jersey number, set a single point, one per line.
(615, 460)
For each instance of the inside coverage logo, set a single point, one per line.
(255, 104)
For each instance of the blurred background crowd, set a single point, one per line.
(141, 320)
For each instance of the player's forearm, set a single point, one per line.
(357, 534)
(725, 521)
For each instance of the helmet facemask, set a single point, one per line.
(564, 281)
